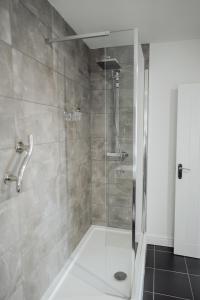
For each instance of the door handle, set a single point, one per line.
(180, 171)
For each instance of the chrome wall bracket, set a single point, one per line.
(20, 148)
(9, 178)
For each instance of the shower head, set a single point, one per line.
(109, 64)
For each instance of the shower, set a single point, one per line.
(112, 64)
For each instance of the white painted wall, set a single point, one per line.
(170, 65)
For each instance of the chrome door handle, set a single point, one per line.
(20, 148)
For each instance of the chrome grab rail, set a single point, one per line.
(20, 148)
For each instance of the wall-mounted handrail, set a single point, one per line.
(24, 163)
(20, 148)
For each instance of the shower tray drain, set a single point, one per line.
(120, 276)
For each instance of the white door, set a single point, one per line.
(187, 204)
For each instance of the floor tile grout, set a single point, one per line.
(172, 296)
(191, 274)
(154, 269)
(166, 295)
(189, 278)
(154, 258)
(164, 251)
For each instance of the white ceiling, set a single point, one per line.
(157, 20)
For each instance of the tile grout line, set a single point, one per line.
(172, 296)
(165, 251)
(165, 270)
(154, 258)
(51, 68)
(167, 295)
(189, 278)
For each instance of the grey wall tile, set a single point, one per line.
(10, 272)
(65, 61)
(28, 34)
(18, 293)
(9, 226)
(99, 209)
(96, 55)
(59, 26)
(127, 146)
(101, 101)
(9, 163)
(126, 124)
(118, 201)
(122, 189)
(6, 76)
(98, 171)
(126, 98)
(83, 127)
(38, 280)
(32, 80)
(18, 119)
(120, 217)
(98, 193)
(78, 149)
(43, 164)
(5, 30)
(100, 81)
(99, 214)
(41, 9)
(40, 244)
(9, 112)
(61, 89)
(126, 77)
(123, 54)
(98, 123)
(98, 148)
(39, 120)
(53, 212)
(117, 171)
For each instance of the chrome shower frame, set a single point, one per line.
(135, 121)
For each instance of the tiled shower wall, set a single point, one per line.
(41, 226)
(111, 181)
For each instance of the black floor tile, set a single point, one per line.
(169, 261)
(147, 296)
(148, 280)
(193, 265)
(150, 247)
(163, 248)
(195, 282)
(150, 259)
(172, 284)
(164, 297)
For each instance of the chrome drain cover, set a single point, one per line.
(120, 276)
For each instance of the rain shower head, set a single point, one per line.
(109, 64)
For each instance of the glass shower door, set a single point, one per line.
(103, 263)
(119, 159)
